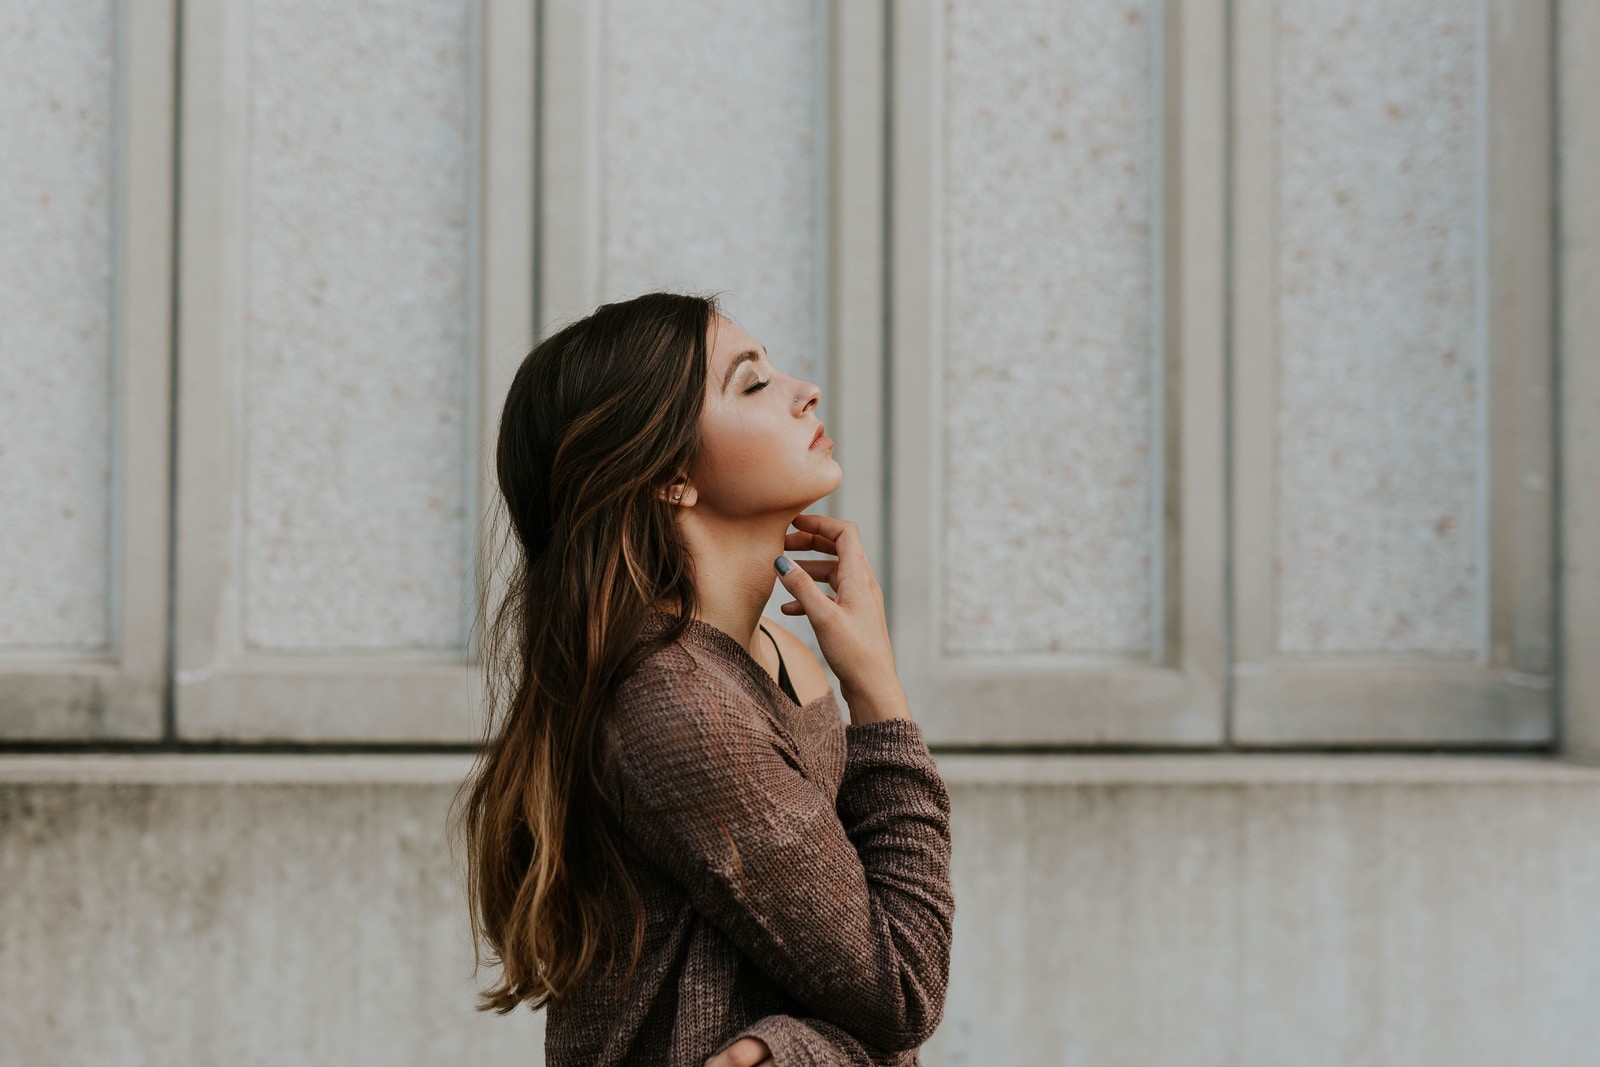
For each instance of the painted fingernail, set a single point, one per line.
(783, 564)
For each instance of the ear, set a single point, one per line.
(685, 494)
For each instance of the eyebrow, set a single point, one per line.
(748, 354)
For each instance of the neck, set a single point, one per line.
(733, 572)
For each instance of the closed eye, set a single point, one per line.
(757, 387)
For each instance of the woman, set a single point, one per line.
(653, 768)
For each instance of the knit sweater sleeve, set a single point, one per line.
(805, 1042)
(847, 905)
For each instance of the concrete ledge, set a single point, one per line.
(1210, 910)
(964, 770)
(231, 769)
(1262, 769)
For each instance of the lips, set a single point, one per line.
(816, 435)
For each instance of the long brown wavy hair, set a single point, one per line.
(599, 417)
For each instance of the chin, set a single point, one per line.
(830, 484)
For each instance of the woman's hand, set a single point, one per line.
(850, 625)
(745, 1052)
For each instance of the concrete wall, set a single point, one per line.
(1157, 910)
(205, 909)
(215, 914)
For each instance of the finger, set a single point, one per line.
(793, 607)
(805, 540)
(821, 570)
(836, 530)
(745, 1052)
(813, 601)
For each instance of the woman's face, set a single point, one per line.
(756, 456)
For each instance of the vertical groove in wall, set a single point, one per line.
(823, 228)
(537, 103)
(1166, 149)
(169, 704)
(473, 380)
(1229, 597)
(1485, 356)
(886, 304)
(116, 352)
(1558, 738)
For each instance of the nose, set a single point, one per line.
(811, 396)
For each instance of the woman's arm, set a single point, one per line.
(849, 907)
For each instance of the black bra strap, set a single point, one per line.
(783, 671)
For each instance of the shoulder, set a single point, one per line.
(805, 669)
(675, 673)
(674, 726)
(677, 694)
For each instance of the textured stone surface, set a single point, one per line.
(356, 361)
(239, 924)
(712, 162)
(57, 137)
(1380, 476)
(1251, 924)
(1049, 543)
(1364, 918)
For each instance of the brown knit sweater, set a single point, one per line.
(833, 944)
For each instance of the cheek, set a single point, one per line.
(747, 450)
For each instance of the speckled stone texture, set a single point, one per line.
(712, 163)
(356, 361)
(57, 137)
(1380, 430)
(1050, 328)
